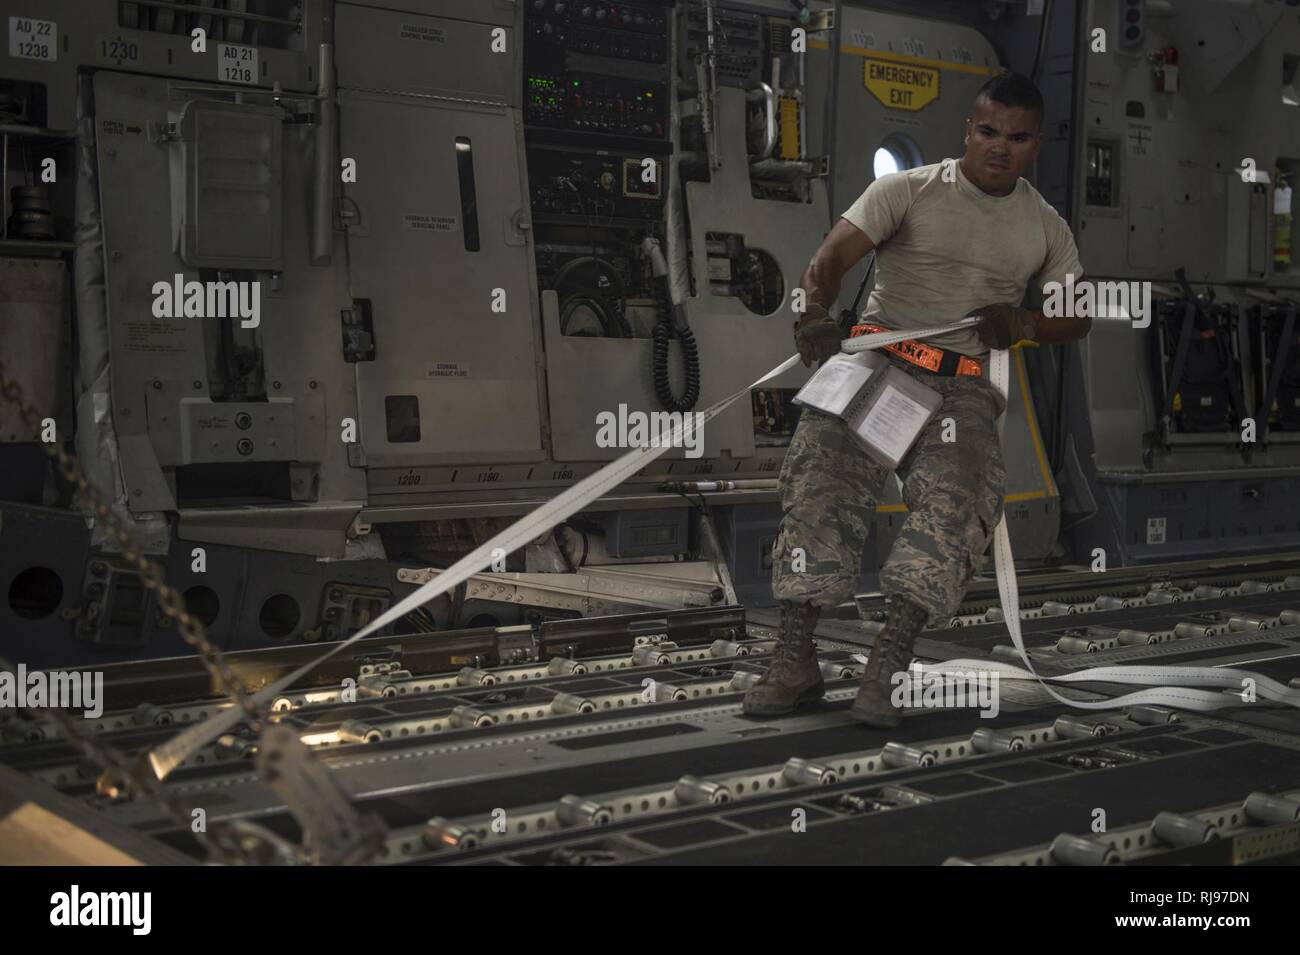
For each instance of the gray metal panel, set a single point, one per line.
(138, 250)
(437, 338)
(299, 335)
(232, 166)
(590, 376)
(1183, 519)
(499, 12)
(33, 305)
(200, 431)
(1115, 392)
(403, 52)
(1176, 161)
(319, 529)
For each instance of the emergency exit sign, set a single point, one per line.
(900, 85)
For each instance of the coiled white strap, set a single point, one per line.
(1226, 678)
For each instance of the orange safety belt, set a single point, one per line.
(918, 353)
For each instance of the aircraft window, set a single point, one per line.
(886, 162)
(896, 153)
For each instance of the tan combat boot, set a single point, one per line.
(794, 677)
(891, 654)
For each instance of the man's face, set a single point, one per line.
(1001, 144)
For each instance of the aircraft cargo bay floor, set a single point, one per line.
(621, 740)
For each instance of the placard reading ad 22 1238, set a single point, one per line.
(33, 39)
(236, 64)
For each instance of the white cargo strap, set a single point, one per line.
(1226, 678)
(171, 754)
(1178, 694)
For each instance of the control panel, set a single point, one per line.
(597, 187)
(596, 68)
(737, 44)
(596, 103)
(620, 30)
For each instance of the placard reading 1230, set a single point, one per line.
(33, 39)
(236, 64)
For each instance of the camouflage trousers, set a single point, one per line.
(953, 491)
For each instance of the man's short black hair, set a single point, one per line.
(1014, 90)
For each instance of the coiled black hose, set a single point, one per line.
(663, 332)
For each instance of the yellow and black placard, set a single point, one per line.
(900, 85)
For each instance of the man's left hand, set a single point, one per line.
(1005, 326)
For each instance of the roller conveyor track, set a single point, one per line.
(1040, 589)
(523, 761)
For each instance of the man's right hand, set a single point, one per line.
(816, 335)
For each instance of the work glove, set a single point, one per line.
(816, 335)
(1005, 326)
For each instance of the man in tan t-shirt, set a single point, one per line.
(952, 239)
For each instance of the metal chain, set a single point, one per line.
(118, 767)
(170, 600)
(232, 842)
